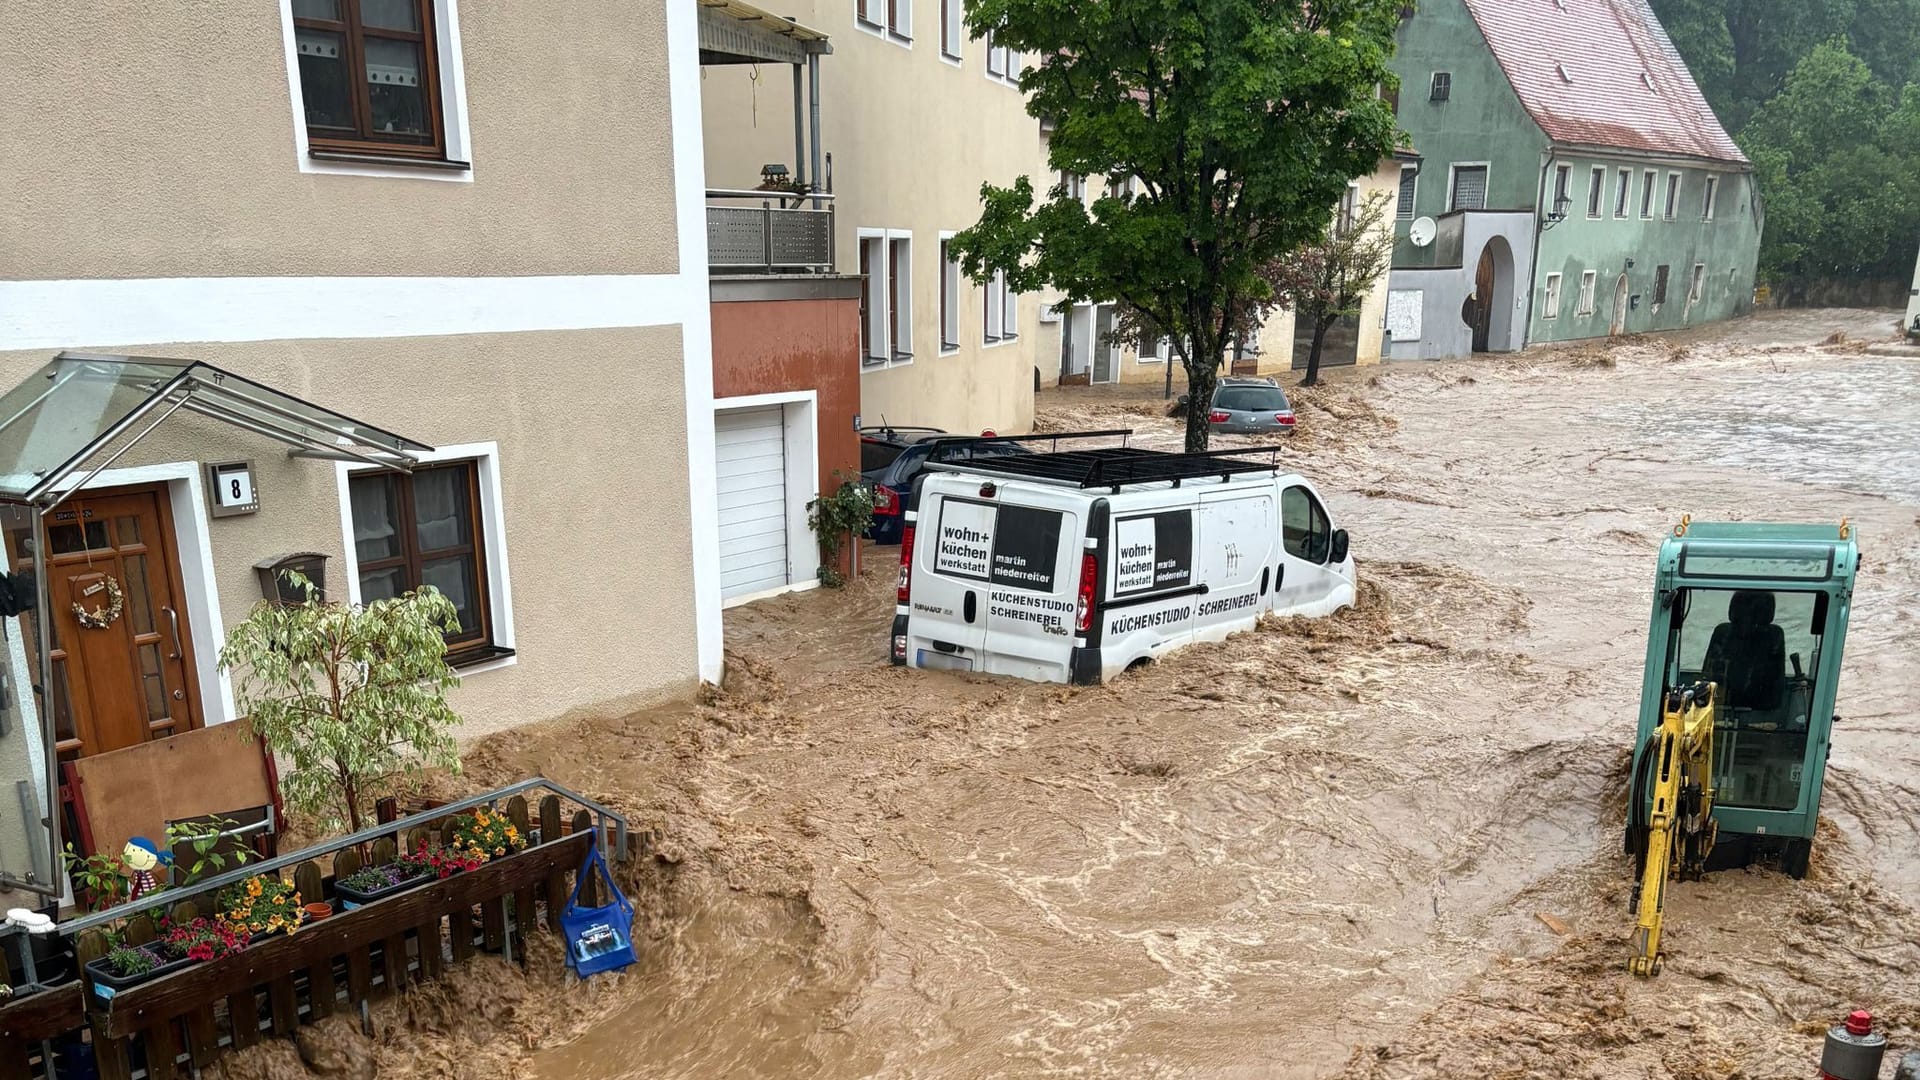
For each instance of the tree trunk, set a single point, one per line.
(1320, 327)
(1202, 375)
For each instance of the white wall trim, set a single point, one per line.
(105, 312)
(453, 104)
(493, 524)
(800, 423)
(1455, 166)
(696, 329)
(194, 547)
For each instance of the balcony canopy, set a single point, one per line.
(732, 32)
(60, 419)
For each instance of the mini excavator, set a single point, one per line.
(1736, 706)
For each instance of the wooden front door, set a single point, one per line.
(123, 669)
(1482, 310)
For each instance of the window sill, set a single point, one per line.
(470, 661)
(948, 348)
(903, 358)
(392, 160)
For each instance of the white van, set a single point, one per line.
(1073, 567)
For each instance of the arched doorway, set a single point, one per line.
(1489, 311)
(1619, 324)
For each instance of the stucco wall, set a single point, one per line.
(157, 140)
(1728, 247)
(1481, 122)
(1444, 290)
(769, 346)
(912, 138)
(594, 488)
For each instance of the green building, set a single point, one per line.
(1571, 181)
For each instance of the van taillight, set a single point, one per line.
(906, 564)
(1284, 418)
(1083, 611)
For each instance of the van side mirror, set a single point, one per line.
(1338, 552)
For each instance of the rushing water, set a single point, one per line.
(1255, 858)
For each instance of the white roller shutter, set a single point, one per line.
(750, 451)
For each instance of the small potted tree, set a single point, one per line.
(353, 698)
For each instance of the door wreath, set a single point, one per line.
(102, 617)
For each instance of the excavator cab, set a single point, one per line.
(1760, 612)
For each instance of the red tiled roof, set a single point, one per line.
(1602, 73)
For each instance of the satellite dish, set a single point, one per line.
(1421, 231)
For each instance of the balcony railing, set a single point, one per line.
(784, 233)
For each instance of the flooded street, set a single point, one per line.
(1320, 849)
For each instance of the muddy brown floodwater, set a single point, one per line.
(1320, 849)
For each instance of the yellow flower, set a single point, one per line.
(274, 923)
(253, 887)
(499, 851)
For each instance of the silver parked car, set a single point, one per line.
(1250, 407)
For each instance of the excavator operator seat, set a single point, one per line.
(1748, 653)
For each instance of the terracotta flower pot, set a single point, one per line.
(319, 910)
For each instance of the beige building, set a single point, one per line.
(391, 211)
(1275, 352)
(913, 117)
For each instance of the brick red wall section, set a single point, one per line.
(774, 346)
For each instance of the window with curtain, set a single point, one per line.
(425, 529)
(369, 76)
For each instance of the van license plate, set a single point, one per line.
(940, 661)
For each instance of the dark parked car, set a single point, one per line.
(891, 458)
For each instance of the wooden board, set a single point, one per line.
(136, 791)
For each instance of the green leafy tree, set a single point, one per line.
(1327, 280)
(1239, 123)
(353, 698)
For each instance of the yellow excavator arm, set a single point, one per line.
(1676, 766)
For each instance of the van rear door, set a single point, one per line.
(1238, 546)
(1038, 545)
(946, 615)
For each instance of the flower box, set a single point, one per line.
(106, 983)
(351, 897)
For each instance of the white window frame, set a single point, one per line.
(1589, 283)
(1713, 192)
(1596, 192)
(952, 31)
(1551, 306)
(902, 298)
(1075, 184)
(1454, 167)
(950, 291)
(1649, 187)
(881, 298)
(997, 304)
(493, 529)
(453, 107)
(903, 36)
(1413, 201)
(1623, 196)
(1012, 63)
(1009, 310)
(1697, 287)
(1676, 184)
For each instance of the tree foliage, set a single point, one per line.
(1240, 121)
(1327, 280)
(352, 698)
(1821, 96)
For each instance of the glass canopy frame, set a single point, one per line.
(70, 413)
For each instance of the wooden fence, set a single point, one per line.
(183, 1021)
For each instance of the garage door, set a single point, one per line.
(750, 450)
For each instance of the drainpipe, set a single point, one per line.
(799, 131)
(813, 104)
(1539, 226)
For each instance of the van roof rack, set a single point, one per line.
(1117, 466)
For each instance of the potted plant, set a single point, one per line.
(370, 883)
(127, 966)
(201, 940)
(486, 834)
(260, 906)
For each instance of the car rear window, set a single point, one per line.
(1250, 398)
(876, 455)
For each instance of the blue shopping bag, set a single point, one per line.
(598, 938)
